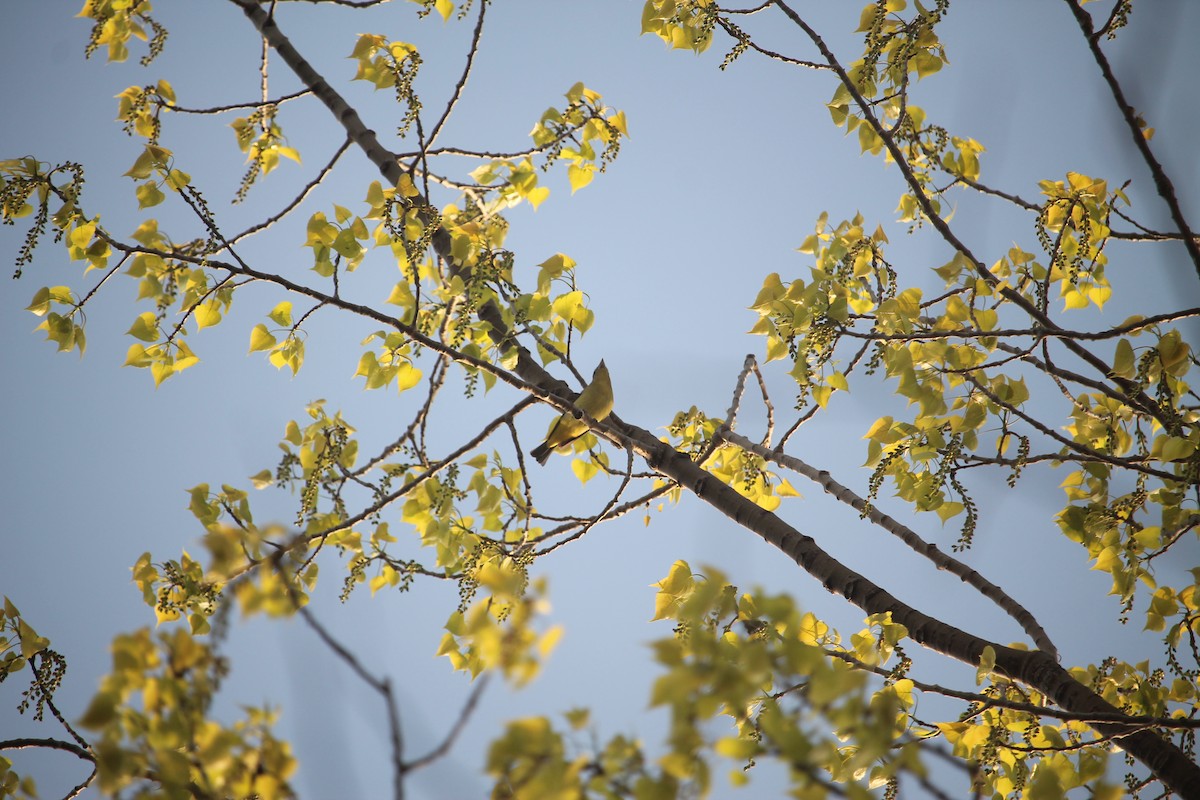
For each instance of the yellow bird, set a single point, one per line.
(596, 401)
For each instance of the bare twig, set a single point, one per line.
(237, 106)
(1166, 189)
(304, 193)
(459, 724)
(476, 36)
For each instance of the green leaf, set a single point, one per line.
(152, 157)
(31, 643)
(101, 711)
(925, 64)
(1174, 352)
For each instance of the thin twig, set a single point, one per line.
(236, 106)
(26, 743)
(1166, 190)
(462, 81)
(463, 716)
(1078, 447)
(300, 198)
(1040, 333)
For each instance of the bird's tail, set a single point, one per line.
(541, 453)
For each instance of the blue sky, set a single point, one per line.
(722, 178)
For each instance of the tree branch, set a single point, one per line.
(1036, 668)
(928, 550)
(1166, 190)
(940, 224)
(25, 743)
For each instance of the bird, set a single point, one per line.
(596, 401)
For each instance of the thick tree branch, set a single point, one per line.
(987, 701)
(928, 550)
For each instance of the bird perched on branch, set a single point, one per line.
(596, 401)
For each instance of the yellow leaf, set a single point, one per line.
(136, 356)
(289, 152)
(407, 376)
(617, 120)
(678, 579)
(953, 731)
(987, 664)
(149, 195)
(776, 348)
(160, 371)
(570, 307)
(145, 327)
(177, 179)
(549, 640)
(584, 470)
(261, 339)
(785, 489)
(736, 747)
(406, 186)
(580, 176)
(772, 290)
(281, 314)
(537, 196)
(207, 315)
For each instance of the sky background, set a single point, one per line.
(723, 177)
